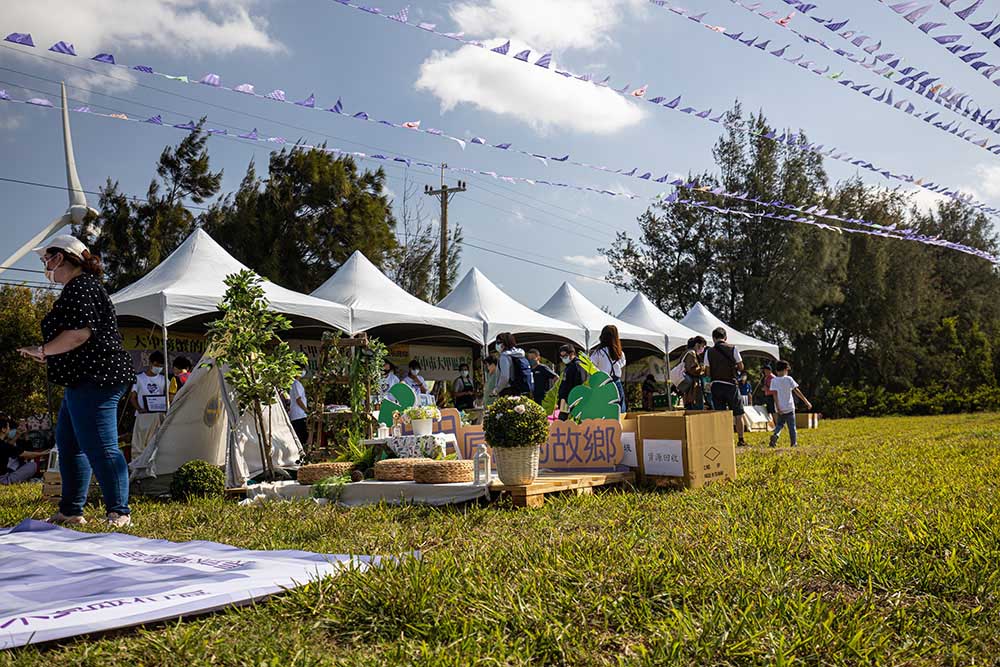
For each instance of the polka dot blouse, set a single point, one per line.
(102, 359)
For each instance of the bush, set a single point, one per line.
(515, 421)
(843, 402)
(197, 479)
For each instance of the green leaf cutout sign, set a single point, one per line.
(598, 399)
(400, 397)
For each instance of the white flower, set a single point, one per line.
(520, 409)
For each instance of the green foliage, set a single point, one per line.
(515, 421)
(22, 381)
(844, 402)
(873, 543)
(331, 488)
(197, 479)
(596, 399)
(551, 400)
(258, 363)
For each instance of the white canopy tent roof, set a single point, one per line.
(376, 301)
(568, 305)
(190, 283)
(641, 312)
(704, 322)
(477, 297)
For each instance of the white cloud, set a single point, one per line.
(536, 97)
(552, 24)
(10, 122)
(926, 200)
(506, 87)
(599, 262)
(988, 181)
(178, 26)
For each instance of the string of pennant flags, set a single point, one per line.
(811, 215)
(885, 65)
(884, 232)
(256, 136)
(402, 18)
(876, 93)
(963, 52)
(913, 10)
(279, 96)
(882, 95)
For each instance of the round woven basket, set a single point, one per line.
(315, 472)
(442, 472)
(516, 465)
(396, 470)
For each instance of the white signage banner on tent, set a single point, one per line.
(60, 583)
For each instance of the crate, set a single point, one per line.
(52, 487)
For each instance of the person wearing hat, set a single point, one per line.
(83, 352)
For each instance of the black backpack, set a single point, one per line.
(522, 380)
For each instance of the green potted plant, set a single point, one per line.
(422, 418)
(515, 428)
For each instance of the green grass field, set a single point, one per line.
(875, 542)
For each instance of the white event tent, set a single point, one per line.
(376, 302)
(190, 283)
(568, 305)
(704, 322)
(477, 297)
(643, 313)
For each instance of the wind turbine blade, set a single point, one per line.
(36, 240)
(76, 196)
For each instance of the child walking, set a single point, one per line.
(785, 390)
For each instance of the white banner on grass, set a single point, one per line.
(59, 583)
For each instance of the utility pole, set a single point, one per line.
(445, 193)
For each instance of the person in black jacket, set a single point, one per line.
(573, 375)
(543, 376)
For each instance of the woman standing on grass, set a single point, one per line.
(83, 352)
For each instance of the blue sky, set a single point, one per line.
(402, 74)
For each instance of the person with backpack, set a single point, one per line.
(725, 365)
(686, 375)
(514, 377)
(609, 358)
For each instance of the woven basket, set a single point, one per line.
(315, 472)
(516, 466)
(442, 472)
(396, 470)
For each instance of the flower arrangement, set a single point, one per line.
(410, 415)
(515, 421)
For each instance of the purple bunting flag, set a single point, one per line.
(22, 38)
(63, 48)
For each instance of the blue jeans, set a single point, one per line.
(87, 439)
(621, 396)
(781, 421)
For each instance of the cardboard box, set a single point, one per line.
(630, 442)
(691, 449)
(806, 420)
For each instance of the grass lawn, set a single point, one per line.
(875, 542)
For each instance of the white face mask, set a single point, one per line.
(302, 373)
(50, 272)
(156, 369)
(12, 433)
(498, 348)
(465, 374)
(566, 360)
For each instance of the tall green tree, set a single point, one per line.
(131, 236)
(298, 224)
(23, 387)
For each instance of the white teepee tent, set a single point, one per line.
(78, 208)
(641, 312)
(204, 422)
(568, 305)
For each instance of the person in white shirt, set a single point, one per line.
(148, 397)
(785, 390)
(415, 380)
(298, 406)
(390, 378)
(609, 358)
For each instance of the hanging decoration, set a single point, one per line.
(808, 215)
(278, 95)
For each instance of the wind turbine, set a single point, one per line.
(78, 208)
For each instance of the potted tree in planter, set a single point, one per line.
(515, 428)
(259, 364)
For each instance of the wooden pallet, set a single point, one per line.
(533, 495)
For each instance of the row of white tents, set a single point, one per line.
(187, 287)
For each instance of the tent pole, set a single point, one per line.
(165, 366)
